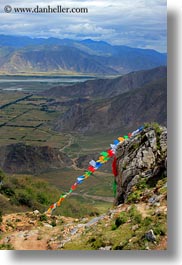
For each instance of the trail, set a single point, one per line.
(24, 232)
(74, 165)
(70, 142)
(95, 197)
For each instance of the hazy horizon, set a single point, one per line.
(79, 40)
(139, 23)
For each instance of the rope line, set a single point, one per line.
(93, 166)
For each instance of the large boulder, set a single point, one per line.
(143, 156)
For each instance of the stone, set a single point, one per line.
(135, 227)
(152, 139)
(47, 225)
(150, 235)
(163, 140)
(148, 158)
(154, 199)
(36, 212)
(106, 248)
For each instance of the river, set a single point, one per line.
(37, 83)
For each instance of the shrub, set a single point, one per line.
(134, 196)
(24, 198)
(42, 198)
(53, 223)
(114, 227)
(121, 219)
(7, 189)
(160, 229)
(98, 243)
(6, 247)
(137, 218)
(43, 217)
(147, 221)
(135, 215)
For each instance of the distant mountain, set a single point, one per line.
(59, 59)
(105, 88)
(123, 112)
(28, 55)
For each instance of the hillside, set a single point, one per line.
(138, 222)
(65, 56)
(104, 88)
(123, 112)
(22, 158)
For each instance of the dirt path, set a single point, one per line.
(94, 197)
(70, 142)
(25, 232)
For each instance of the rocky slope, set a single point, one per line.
(106, 88)
(22, 158)
(139, 222)
(120, 113)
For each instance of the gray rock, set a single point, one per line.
(47, 225)
(106, 248)
(36, 212)
(152, 139)
(163, 141)
(148, 158)
(154, 199)
(150, 235)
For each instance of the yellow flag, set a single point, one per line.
(121, 139)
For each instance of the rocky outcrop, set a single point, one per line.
(22, 158)
(142, 158)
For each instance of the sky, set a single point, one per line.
(135, 23)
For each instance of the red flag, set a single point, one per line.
(91, 168)
(110, 153)
(129, 135)
(114, 167)
(74, 186)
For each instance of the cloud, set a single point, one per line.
(137, 23)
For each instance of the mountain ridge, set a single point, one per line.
(102, 57)
(108, 87)
(126, 101)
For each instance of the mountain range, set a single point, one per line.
(116, 104)
(23, 55)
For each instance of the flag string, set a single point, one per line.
(104, 157)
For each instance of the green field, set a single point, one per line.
(28, 121)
